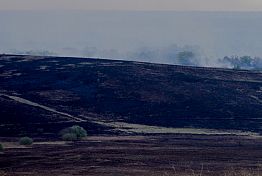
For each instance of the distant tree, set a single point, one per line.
(257, 63)
(26, 141)
(232, 61)
(73, 133)
(244, 62)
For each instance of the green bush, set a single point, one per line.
(73, 133)
(26, 141)
(1, 148)
(69, 137)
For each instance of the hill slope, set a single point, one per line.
(48, 93)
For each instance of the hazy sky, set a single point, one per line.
(154, 32)
(178, 5)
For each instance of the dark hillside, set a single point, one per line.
(42, 91)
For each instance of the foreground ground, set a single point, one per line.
(158, 155)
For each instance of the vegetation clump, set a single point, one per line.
(69, 137)
(26, 141)
(1, 148)
(73, 133)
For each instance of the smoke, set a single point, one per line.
(242, 62)
(33, 52)
(184, 38)
(173, 54)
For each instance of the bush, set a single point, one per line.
(73, 133)
(1, 148)
(26, 141)
(69, 137)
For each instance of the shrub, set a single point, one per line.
(25, 141)
(79, 131)
(73, 133)
(69, 137)
(1, 148)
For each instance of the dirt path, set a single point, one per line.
(30, 103)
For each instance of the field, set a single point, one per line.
(47, 93)
(142, 119)
(145, 155)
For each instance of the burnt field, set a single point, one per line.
(47, 93)
(161, 155)
(141, 118)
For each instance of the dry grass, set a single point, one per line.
(243, 172)
(2, 173)
(147, 129)
(12, 145)
(15, 145)
(51, 143)
(189, 172)
(227, 172)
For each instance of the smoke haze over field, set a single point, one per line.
(144, 36)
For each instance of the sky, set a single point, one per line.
(141, 5)
(144, 30)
